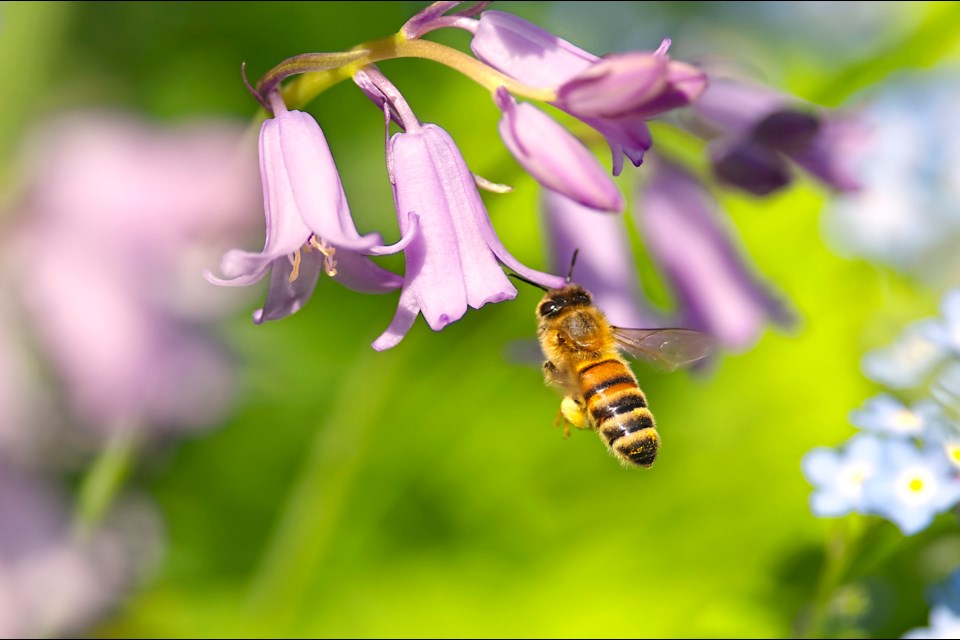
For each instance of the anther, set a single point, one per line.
(295, 261)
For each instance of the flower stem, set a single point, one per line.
(307, 522)
(103, 480)
(841, 549)
(310, 84)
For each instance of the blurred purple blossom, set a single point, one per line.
(756, 129)
(715, 289)
(52, 582)
(114, 215)
(605, 264)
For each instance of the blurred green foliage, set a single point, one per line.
(423, 491)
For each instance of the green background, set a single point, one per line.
(423, 491)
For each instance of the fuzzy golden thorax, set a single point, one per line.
(570, 328)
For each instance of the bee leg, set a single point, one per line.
(572, 412)
(550, 374)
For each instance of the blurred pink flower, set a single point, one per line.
(53, 583)
(714, 284)
(116, 219)
(605, 264)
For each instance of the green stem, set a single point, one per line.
(311, 84)
(841, 549)
(103, 481)
(310, 516)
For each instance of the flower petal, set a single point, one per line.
(616, 85)
(694, 248)
(285, 298)
(524, 51)
(310, 178)
(403, 320)
(553, 156)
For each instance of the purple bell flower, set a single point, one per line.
(452, 262)
(556, 158)
(714, 285)
(755, 130)
(615, 95)
(309, 227)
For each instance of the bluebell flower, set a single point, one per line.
(908, 361)
(912, 487)
(839, 477)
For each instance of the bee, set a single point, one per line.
(583, 360)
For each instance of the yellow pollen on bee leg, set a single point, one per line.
(295, 261)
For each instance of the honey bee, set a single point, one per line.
(583, 360)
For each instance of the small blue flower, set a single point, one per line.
(946, 332)
(946, 387)
(944, 623)
(909, 360)
(886, 414)
(912, 486)
(839, 477)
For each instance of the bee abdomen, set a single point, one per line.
(639, 447)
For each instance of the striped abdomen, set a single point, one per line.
(618, 410)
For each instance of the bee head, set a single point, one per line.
(557, 300)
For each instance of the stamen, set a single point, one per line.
(295, 273)
(328, 251)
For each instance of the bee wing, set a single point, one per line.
(666, 349)
(525, 353)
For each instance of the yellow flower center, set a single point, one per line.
(953, 453)
(915, 485)
(906, 421)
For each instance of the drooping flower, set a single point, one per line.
(614, 95)
(755, 130)
(839, 477)
(554, 157)
(308, 222)
(716, 291)
(120, 212)
(913, 486)
(605, 263)
(452, 263)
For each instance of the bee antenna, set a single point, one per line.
(573, 261)
(530, 282)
